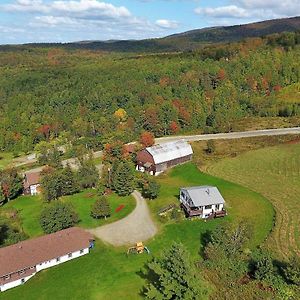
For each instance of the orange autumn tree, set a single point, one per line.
(174, 127)
(147, 139)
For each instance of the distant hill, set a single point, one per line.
(185, 41)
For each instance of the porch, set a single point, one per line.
(191, 212)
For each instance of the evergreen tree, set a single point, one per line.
(58, 216)
(151, 189)
(292, 270)
(263, 266)
(101, 208)
(88, 174)
(174, 276)
(51, 186)
(70, 184)
(123, 178)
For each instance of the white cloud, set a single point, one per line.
(231, 11)
(92, 19)
(169, 24)
(245, 10)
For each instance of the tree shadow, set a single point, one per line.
(205, 239)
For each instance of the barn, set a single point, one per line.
(158, 158)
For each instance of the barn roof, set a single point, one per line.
(169, 151)
(30, 253)
(204, 195)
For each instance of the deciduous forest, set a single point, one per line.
(94, 97)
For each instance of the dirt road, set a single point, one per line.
(137, 226)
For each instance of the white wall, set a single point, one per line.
(15, 283)
(34, 189)
(54, 262)
(45, 265)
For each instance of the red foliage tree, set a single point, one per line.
(45, 130)
(174, 127)
(147, 139)
(221, 74)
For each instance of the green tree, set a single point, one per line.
(292, 270)
(69, 180)
(101, 208)
(12, 183)
(210, 147)
(263, 266)
(51, 186)
(123, 178)
(58, 216)
(151, 189)
(174, 276)
(88, 175)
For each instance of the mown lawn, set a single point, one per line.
(275, 173)
(29, 208)
(242, 204)
(107, 273)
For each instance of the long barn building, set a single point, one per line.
(158, 158)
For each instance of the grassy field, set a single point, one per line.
(275, 173)
(107, 273)
(29, 208)
(5, 159)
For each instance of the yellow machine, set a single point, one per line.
(138, 249)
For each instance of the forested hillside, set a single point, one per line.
(93, 97)
(185, 41)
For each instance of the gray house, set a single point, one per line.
(202, 201)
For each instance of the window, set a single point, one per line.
(70, 255)
(81, 251)
(58, 259)
(208, 207)
(217, 206)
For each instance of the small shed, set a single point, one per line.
(158, 158)
(202, 201)
(31, 183)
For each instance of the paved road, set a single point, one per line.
(191, 138)
(231, 135)
(136, 227)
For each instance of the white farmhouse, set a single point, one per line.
(21, 261)
(202, 201)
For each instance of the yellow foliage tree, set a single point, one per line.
(121, 114)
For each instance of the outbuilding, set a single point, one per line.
(31, 184)
(158, 158)
(202, 201)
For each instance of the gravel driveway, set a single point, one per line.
(137, 226)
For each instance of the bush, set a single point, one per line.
(101, 208)
(210, 147)
(58, 216)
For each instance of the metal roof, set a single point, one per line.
(204, 195)
(169, 151)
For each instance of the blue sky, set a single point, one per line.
(23, 21)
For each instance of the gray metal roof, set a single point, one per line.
(204, 195)
(169, 151)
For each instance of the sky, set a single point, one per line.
(26, 21)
